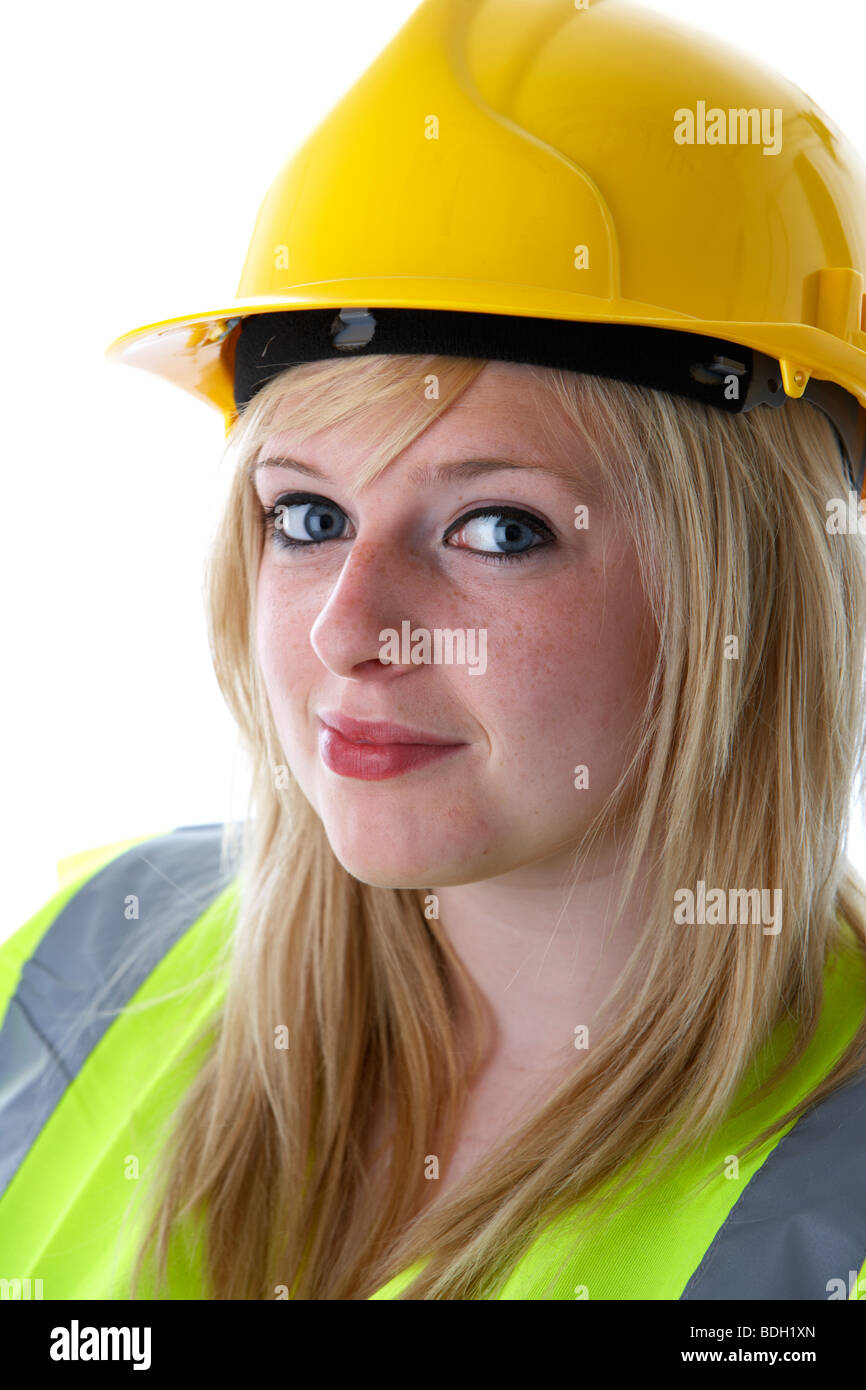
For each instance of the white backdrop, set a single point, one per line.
(138, 144)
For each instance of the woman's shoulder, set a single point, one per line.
(107, 987)
(73, 872)
(116, 895)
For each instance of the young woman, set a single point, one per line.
(539, 970)
(698, 527)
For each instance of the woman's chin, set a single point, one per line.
(386, 869)
(395, 863)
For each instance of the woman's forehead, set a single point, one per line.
(504, 403)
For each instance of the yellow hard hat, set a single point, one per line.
(610, 180)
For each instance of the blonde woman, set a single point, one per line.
(537, 969)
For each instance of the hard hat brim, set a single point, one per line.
(196, 351)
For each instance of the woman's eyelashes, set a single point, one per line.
(298, 520)
(518, 532)
(304, 518)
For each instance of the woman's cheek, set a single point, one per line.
(279, 643)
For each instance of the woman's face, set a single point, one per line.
(550, 650)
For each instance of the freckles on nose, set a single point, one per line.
(393, 568)
(369, 560)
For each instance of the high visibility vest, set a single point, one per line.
(87, 1083)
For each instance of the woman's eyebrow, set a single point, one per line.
(442, 472)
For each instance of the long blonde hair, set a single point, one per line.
(747, 769)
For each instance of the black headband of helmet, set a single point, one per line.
(710, 370)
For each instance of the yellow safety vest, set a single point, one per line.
(86, 1083)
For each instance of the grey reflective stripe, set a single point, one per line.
(89, 964)
(801, 1220)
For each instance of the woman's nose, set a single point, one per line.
(378, 587)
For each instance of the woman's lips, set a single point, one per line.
(377, 758)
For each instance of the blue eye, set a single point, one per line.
(304, 518)
(515, 531)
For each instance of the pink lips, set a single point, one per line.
(374, 751)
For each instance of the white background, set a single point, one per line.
(138, 144)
